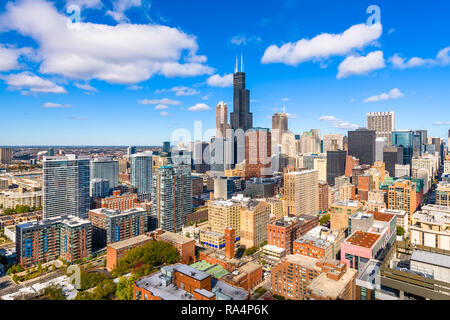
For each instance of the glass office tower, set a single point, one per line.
(105, 169)
(405, 139)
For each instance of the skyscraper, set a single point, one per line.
(130, 151)
(172, 198)
(380, 143)
(279, 127)
(142, 171)
(391, 156)
(240, 118)
(5, 155)
(106, 169)
(404, 138)
(222, 120)
(383, 123)
(333, 142)
(66, 186)
(361, 144)
(258, 153)
(166, 146)
(301, 192)
(335, 165)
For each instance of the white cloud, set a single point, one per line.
(199, 107)
(323, 46)
(441, 123)
(56, 105)
(220, 81)
(29, 82)
(393, 94)
(361, 65)
(125, 53)
(164, 114)
(159, 101)
(94, 4)
(243, 39)
(134, 87)
(85, 86)
(119, 8)
(184, 91)
(9, 57)
(161, 107)
(291, 115)
(442, 59)
(338, 123)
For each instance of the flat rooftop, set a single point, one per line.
(386, 217)
(363, 239)
(305, 261)
(174, 238)
(437, 259)
(129, 242)
(322, 286)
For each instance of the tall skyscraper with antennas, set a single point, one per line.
(241, 117)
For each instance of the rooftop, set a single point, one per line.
(129, 242)
(174, 238)
(437, 259)
(323, 286)
(363, 239)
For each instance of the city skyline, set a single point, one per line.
(76, 103)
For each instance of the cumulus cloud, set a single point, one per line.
(361, 65)
(393, 94)
(29, 82)
(85, 86)
(125, 53)
(442, 59)
(199, 107)
(56, 105)
(164, 101)
(134, 87)
(119, 8)
(161, 107)
(184, 91)
(9, 57)
(338, 123)
(323, 46)
(220, 81)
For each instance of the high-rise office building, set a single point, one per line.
(5, 155)
(166, 146)
(258, 153)
(301, 192)
(224, 214)
(241, 117)
(130, 151)
(66, 186)
(333, 142)
(335, 165)
(172, 197)
(361, 144)
(404, 138)
(383, 123)
(200, 156)
(99, 188)
(141, 172)
(279, 127)
(222, 120)
(380, 143)
(221, 155)
(106, 169)
(310, 141)
(391, 156)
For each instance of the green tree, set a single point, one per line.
(54, 293)
(324, 219)
(124, 289)
(400, 231)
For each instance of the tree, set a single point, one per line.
(124, 289)
(400, 231)
(54, 293)
(324, 219)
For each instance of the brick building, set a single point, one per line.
(117, 201)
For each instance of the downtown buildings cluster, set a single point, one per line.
(361, 216)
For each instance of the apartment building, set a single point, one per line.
(340, 211)
(431, 227)
(402, 196)
(301, 192)
(254, 220)
(320, 242)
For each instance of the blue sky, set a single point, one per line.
(132, 71)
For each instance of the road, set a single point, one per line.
(7, 286)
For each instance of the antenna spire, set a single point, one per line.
(236, 65)
(284, 107)
(242, 63)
